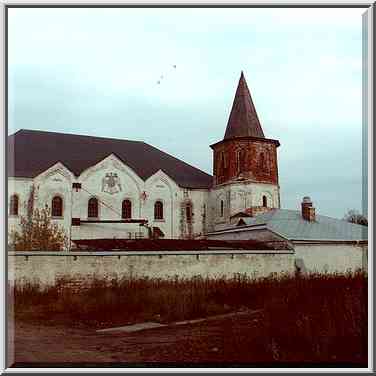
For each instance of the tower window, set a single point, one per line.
(222, 163)
(126, 209)
(158, 210)
(262, 161)
(92, 208)
(264, 201)
(57, 207)
(13, 205)
(240, 161)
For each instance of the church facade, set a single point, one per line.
(111, 188)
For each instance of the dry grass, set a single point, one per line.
(315, 318)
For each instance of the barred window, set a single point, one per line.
(57, 207)
(126, 209)
(158, 210)
(13, 205)
(92, 208)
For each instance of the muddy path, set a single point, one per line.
(209, 341)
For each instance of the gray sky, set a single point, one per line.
(95, 72)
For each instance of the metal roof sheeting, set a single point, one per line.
(291, 225)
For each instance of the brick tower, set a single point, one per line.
(245, 164)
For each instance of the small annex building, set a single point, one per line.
(320, 243)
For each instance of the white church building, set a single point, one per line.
(100, 188)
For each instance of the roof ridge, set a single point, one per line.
(76, 135)
(38, 150)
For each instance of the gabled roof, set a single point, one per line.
(243, 120)
(32, 152)
(291, 225)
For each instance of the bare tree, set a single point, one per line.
(353, 216)
(38, 232)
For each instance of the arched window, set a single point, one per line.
(13, 205)
(188, 212)
(92, 208)
(222, 208)
(57, 207)
(126, 209)
(264, 202)
(158, 210)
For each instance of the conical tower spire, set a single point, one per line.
(243, 120)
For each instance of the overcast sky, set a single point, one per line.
(95, 72)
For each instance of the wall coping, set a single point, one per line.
(147, 253)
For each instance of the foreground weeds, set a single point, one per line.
(315, 318)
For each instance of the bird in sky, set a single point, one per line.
(161, 77)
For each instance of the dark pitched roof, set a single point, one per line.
(36, 151)
(243, 120)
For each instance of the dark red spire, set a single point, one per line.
(243, 120)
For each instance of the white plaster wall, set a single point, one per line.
(20, 187)
(47, 269)
(199, 221)
(161, 187)
(58, 181)
(331, 257)
(237, 197)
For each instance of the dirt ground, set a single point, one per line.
(232, 341)
(203, 342)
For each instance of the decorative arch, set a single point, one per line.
(57, 169)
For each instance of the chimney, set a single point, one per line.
(308, 212)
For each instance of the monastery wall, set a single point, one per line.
(81, 267)
(331, 258)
